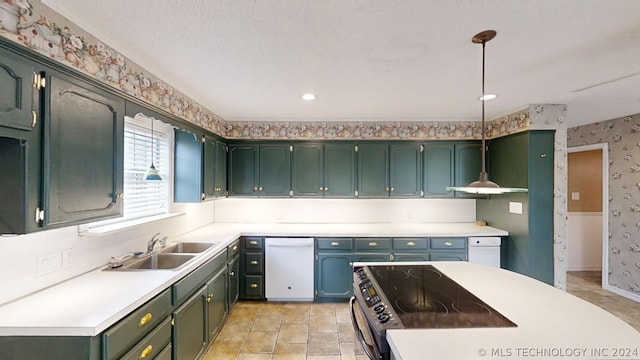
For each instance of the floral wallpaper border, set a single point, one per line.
(32, 24)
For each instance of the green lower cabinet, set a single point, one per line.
(216, 303)
(189, 333)
(234, 282)
(448, 256)
(334, 275)
(371, 257)
(411, 257)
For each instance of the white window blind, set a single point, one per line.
(142, 197)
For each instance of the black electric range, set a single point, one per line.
(416, 296)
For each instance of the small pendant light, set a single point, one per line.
(483, 185)
(152, 173)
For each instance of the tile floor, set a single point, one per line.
(286, 331)
(323, 331)
(587, 285)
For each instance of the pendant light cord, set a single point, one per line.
(484, 170)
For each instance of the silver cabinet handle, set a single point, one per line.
(253, 242)
(448, 243)
(373, 244)
(253, 286)
(254, 262)
(260, 188)
(335, 243)
(411, 243)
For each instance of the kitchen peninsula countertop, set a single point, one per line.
(551, 323)
(88, 304)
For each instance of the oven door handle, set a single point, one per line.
(370, 350)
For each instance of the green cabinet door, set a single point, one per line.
(437, 172)
(243, 170)
(468, 164)
(216, 303)
(373, 170)
(17, 93)
(307, 170)
(334, 275)
(83, 152)
(405, 170)
(275, 170)
(187, 167)
(339, 170)
(220, 172)
(209, 167)
(189, 333)
(234, 282)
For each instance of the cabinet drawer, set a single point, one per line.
(412, 256)
(334, 243)
(165, 354)
(373, 244)
(124, 334)
(253, 242)
(410, 243)
(153, 344)
(448, 243)
(233, 249)
(253, 286)
(253, 263)
(184, 287)
(448, 256)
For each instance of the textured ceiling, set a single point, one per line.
(379, 59)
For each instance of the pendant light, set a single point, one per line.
(152, 173)
(483, 185)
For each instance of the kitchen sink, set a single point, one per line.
(186, 248)
(158, 261)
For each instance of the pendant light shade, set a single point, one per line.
(483, 185)
(152, 173)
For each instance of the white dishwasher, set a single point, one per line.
(289, 269)
(485, 250)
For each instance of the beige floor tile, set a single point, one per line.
(296, 315)
(259, 342)
(345, 333)
(289, 357)
(323, 357)
(267, 322)
(223, 350)
(244, 312)
(254, 357)
(343, 314)
(323, 309)
(298, 304)
(272, 308)
(293, 333)
(234, 330)
(284, 348)
(323, 323)
(323, 344)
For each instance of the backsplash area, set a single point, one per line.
(262, 210)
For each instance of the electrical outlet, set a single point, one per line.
(48, 263)
(67, 258)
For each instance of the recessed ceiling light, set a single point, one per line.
(487, 97)
(308, 97)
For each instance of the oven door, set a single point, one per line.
(362, 330)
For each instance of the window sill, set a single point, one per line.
(102, 230)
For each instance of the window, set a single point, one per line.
(141, 197)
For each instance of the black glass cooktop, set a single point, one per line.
(423, 297)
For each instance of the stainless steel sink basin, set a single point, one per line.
(186, 248)
(158, 261)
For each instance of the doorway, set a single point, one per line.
(588, 216)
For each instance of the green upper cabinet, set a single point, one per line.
(260, 170)
(187, 168)
(243, 170)
(275, 170)
(437, 169)
(83, 152)
(220, 175)
(307, 170)
(17, 92)
(405, 174)
(339, 170)
(209, 168)
(468, 164)
(373, 170)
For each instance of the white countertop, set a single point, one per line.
(549, 320)
(89, 304)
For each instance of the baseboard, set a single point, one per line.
(623, 293)
(586, 268)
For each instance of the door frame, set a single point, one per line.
(604, 148)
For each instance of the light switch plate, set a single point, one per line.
(515, 207)
(575, 196)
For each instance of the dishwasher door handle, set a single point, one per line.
(288, 245)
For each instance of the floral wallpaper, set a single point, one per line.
(623, 138)
(31, 24)
(553, 117)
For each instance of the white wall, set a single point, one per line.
(584, 241)
(19, 254)
(262, 210)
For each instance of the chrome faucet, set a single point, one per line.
(155, 239)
